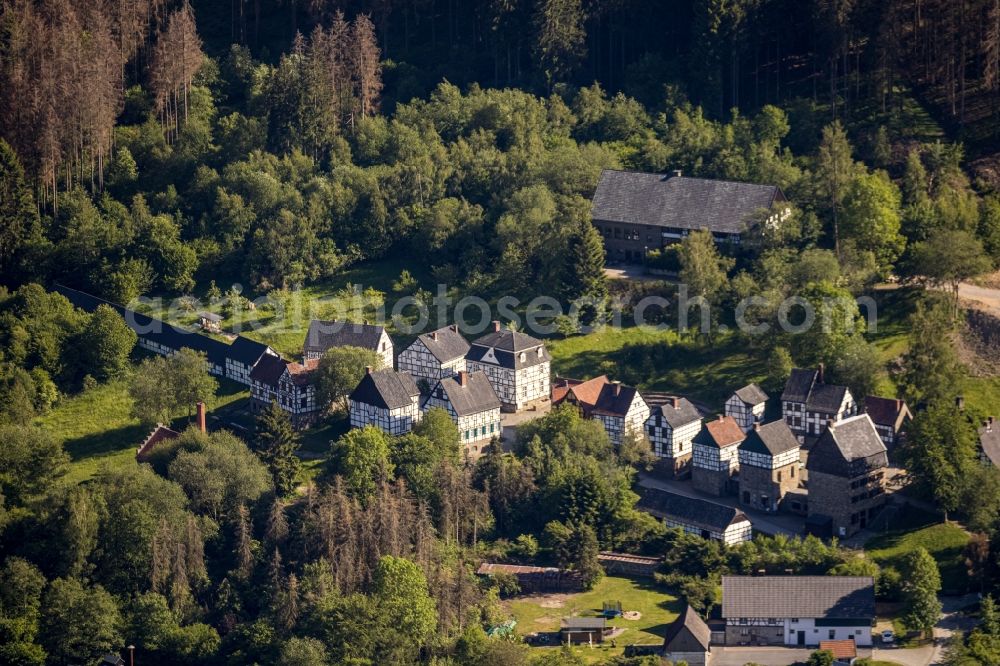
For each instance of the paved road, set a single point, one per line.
(987, 297)
(769, 523)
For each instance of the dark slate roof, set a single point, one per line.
(268, 370)
(615, 399)
(678, 414)
(825, 597)
(247, 351)
(799, 384)
(446, 344)
(848, 448)
(688, 633)
(751, 394)
(152, 329)
(989, 441)
(583, 623)
(721, 433)
(678, 202)
(387, 389)
(826, 398)
(210, 316)
(508, 346)
(475, 396)
(323, 335)
(772, 439)
(689, 510)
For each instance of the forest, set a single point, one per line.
(173, 148)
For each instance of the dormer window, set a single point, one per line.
(539, 352)
(523, 357)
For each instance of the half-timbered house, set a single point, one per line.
(387, 399)
(517, 364)
(243, 356)
(769, 465)
(473, 405)
(671, 427)
(289, 384)
(688, 640)
(798, 610)
(324, 335)
(706, 519)
(433, 356)
(747, 406)
(621, 410)
(847, 466)
(808, 404)
(716, 460)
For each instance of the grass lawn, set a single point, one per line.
(97, 428)
(944, 541)
(660, 361)
(657, 607)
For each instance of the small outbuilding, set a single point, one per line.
(688, 639)
(209, 321)
(583, 630)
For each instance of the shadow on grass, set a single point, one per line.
(106, 442)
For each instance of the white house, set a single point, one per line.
(671, 427)
(433, 356)
(706, 519)
(517, 364)
(620, 409)
(808, 404)
(387, 399)
(243, 355)
(798, 611)
(716, 460)
(747, 406)
(324, 335)
(473, 405)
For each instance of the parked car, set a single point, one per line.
(888, 637)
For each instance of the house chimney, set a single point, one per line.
(496, 326)
(756, 425)
(721, 418)
(960, 402)
(368, 369)
(454, 327)
(434, 335)
(678, 173)
(899, 404)
(831, 422)
(819, 373)
(200, 409)
(672, 401)
(463, 378)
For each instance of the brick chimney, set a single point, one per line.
(819, 373)
(496, 326)
(454, 327)
(678, 173)
(756, 425)
(721, 418)
(434, 335)
(672, 401)
(200, 412)
(368, 369)
(463, 378)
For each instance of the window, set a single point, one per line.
(466, 434)
(832, 634)
(779, 476)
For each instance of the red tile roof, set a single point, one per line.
(845, 649)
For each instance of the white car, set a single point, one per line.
(888, 637)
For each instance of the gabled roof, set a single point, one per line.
(771, 439)
(159, 434)
(583, 392)
(677, 202)
(720, 433)
(815, 597)
(302, 372)
(269, 370)
(596, 396)
(473, 396)
(507, 340)
(842, 650)
(323, 335)
(807, 386)
(848, 448)
(751, 394)
(989, 440)
(689, 510)
(888, 412)
(616, 399)
(688, 633)
(247, 351)
(677, 412)
(445, 344)
(799, 384)
(387, 389)
(583, 623)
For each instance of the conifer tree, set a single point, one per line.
(276, 444)
(584, 276)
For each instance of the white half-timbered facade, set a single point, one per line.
(671, 428)
(518, 366)
(324, 335)
(808, 404)
(703, 518)
(473, 405)
(290, 385)
(433, 356)
(716, 456)
(386, 399)
(769, 466)
(746, 406)
(620, 409)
